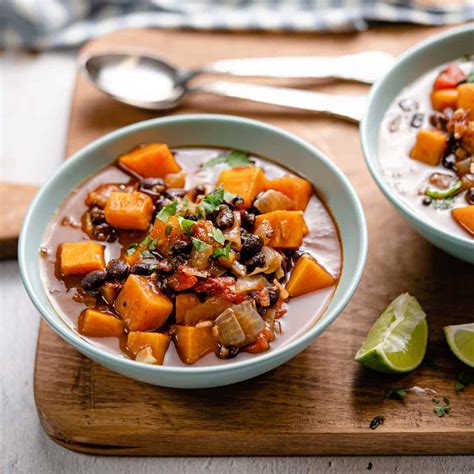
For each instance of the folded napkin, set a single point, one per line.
(46, 24)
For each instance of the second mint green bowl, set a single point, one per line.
(206, 130)
(410, 66)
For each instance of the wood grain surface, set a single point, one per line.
(14, 201)
(322, 401)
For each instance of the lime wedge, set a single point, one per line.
(396, 343)
(461, 341)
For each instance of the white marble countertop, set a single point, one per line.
(34, 97)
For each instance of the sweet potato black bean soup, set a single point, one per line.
(426, 146)
(191, 256)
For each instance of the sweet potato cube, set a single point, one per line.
(307, 276)
(151, 161)
(444, 99)
(184, 302)
(141, 306)
(129, 210)
(429, 147)
(464, 216)
(289, 227)
(95, 323)
(295, 188)
(246, 181)
(157, 342)
(78, 258)
(192, 343)
(466, 98)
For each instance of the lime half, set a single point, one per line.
(396, 343)
(461, 341)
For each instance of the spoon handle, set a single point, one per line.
(344, 106)
(366, 67)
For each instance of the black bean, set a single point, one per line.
(273, 294)
(97, 215)
(470, 196)
(225, 218)
(438, 120)
(174, 193)
(182, 247)
(236, 203)
(142, 268)
(257, 261)
(417, 120)
(426, 201)
(93, 280)
(104, 232)
(163, 267)
(449, 161)
(248, 219)
(251, 245)
(153, 184)
(117, 269)
(162, 201)
(199, 190)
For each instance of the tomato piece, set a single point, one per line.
(260, 345)
(229, 295)
(450, 77)
(181, 281)
(214, 286)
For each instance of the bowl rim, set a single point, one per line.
(96, 352)
(371, 156)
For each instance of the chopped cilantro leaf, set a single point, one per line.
(131, 249)
(199, 245)
(168, 229)
(376, 422)
(218, 236)
(146, 241)
(186, 225)
(232, 158)
(225, 252)
(396, 393)
(441, 410)
(167, 211)
(443, 204)
(200, 213)
(213, 200)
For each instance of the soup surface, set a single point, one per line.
(213, 256)
(426, 143)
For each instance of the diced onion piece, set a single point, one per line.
(233, 235)
(238, 269)
(272, 200)
(284, 295)
(146, 356)
(200, 258)
(229, 332)
(273, 261)
(207, 311)
(250, 321)
(250, 283)
(193, 271)
(265, 231)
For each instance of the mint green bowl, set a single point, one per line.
(410, 66)
(210, 130)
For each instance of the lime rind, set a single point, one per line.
(460, 339)
(397, 341)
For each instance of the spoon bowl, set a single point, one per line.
(146, 82)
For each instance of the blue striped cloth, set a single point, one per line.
(46, 24)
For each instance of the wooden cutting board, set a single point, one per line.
(322, 401)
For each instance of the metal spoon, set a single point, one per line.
(149, 83)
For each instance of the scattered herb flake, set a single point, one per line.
(167, 211)
(146, 241)
(225, 252)
(186, 225)
(213, 200)
(218, 235)
(147, 254)
(441, 410)
(131, 249)
(199, 245)
(376, 422)
(168, 229)
(443, 204)
(233, 159)
(396, 393)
